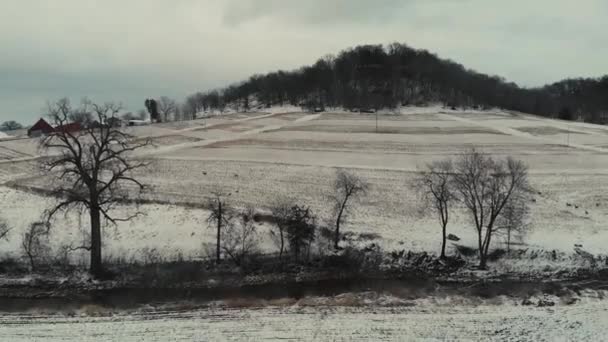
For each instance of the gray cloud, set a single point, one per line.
(130, 50)
(313, 12)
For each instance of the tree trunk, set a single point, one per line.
(219, 229)
(96, 268)
(482, 259)
(338, 220)
(282, 244)
(443, 242)
(484, 249)
(32, 264)
(337, 236)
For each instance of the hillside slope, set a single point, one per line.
(375, 76)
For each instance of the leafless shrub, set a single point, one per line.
(324, 240)
(151, 256)
(301, 229)
(62, 257)
(280, 212)
(35, 243)
(240, 240)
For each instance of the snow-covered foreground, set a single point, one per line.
(428, 322)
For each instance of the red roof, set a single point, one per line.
(71, 127)
(41, 126)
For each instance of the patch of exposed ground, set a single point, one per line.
(167, 140)
(386, 147)
(383, 117)
(545, 130)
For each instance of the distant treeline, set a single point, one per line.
(376, 76)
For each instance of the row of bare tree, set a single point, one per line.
(96, 165)
(494, 192)
(295, 225)
(95, 170)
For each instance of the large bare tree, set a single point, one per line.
(94, 168)
(167, 107)
(485, 186)
(436, 187)
(347, 187)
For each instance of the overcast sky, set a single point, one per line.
(127, 50)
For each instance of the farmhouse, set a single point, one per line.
(69, 128)
(41, 127)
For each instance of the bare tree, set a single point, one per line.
(485, 186)
(281, 211)
(347, 187)
(241, 240)
(193, 105)
(179, 114)
(167, 107)
(436, 187)
(35, 243)
(221, 216)
(513, 220)
(82, 114)
(94, 170)
(301, 229)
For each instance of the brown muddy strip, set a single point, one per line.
(280, 293)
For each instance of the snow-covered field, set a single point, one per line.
(261, 157)
(440, 320)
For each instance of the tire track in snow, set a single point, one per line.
(584, 322)
(168, 149)
(519, 134)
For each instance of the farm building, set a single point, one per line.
(39, 128)
(71, 127)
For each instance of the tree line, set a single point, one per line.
(377, 76)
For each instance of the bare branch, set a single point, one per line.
(94, 167)
(485, 186)
(347, 187)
